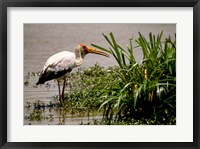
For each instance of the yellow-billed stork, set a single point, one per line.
(60, 64)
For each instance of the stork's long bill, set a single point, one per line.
(93, 50)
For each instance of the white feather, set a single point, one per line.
(60, 61)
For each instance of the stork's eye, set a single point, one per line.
(85, 49)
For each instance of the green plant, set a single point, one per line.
(143, 89)
(87, 86)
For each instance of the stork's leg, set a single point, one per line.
(63, 90)
(59, 91)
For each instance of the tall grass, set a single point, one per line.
(143, 89)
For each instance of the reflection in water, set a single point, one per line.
(58, 116)
(62, 116)
(41, 108)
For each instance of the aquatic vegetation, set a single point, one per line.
(87, 86)
(144, 89)
(37, 115)
(26, 83)
(37, 111)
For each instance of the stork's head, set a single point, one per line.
(86, 49)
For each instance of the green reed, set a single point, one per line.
(144, 89)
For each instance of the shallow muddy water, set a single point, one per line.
(51, 115)
(43, 40)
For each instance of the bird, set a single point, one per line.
(59, 65)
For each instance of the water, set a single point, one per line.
(43, 40)
(45, 94)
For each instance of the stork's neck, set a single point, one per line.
(79, 57)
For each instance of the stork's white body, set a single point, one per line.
(60, 61)
(60, 64)
(57, 66)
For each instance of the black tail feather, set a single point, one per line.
(50, 75)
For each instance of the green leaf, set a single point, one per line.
(101, 48)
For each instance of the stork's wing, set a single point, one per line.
(57, 66)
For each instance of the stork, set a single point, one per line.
(59, 65)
